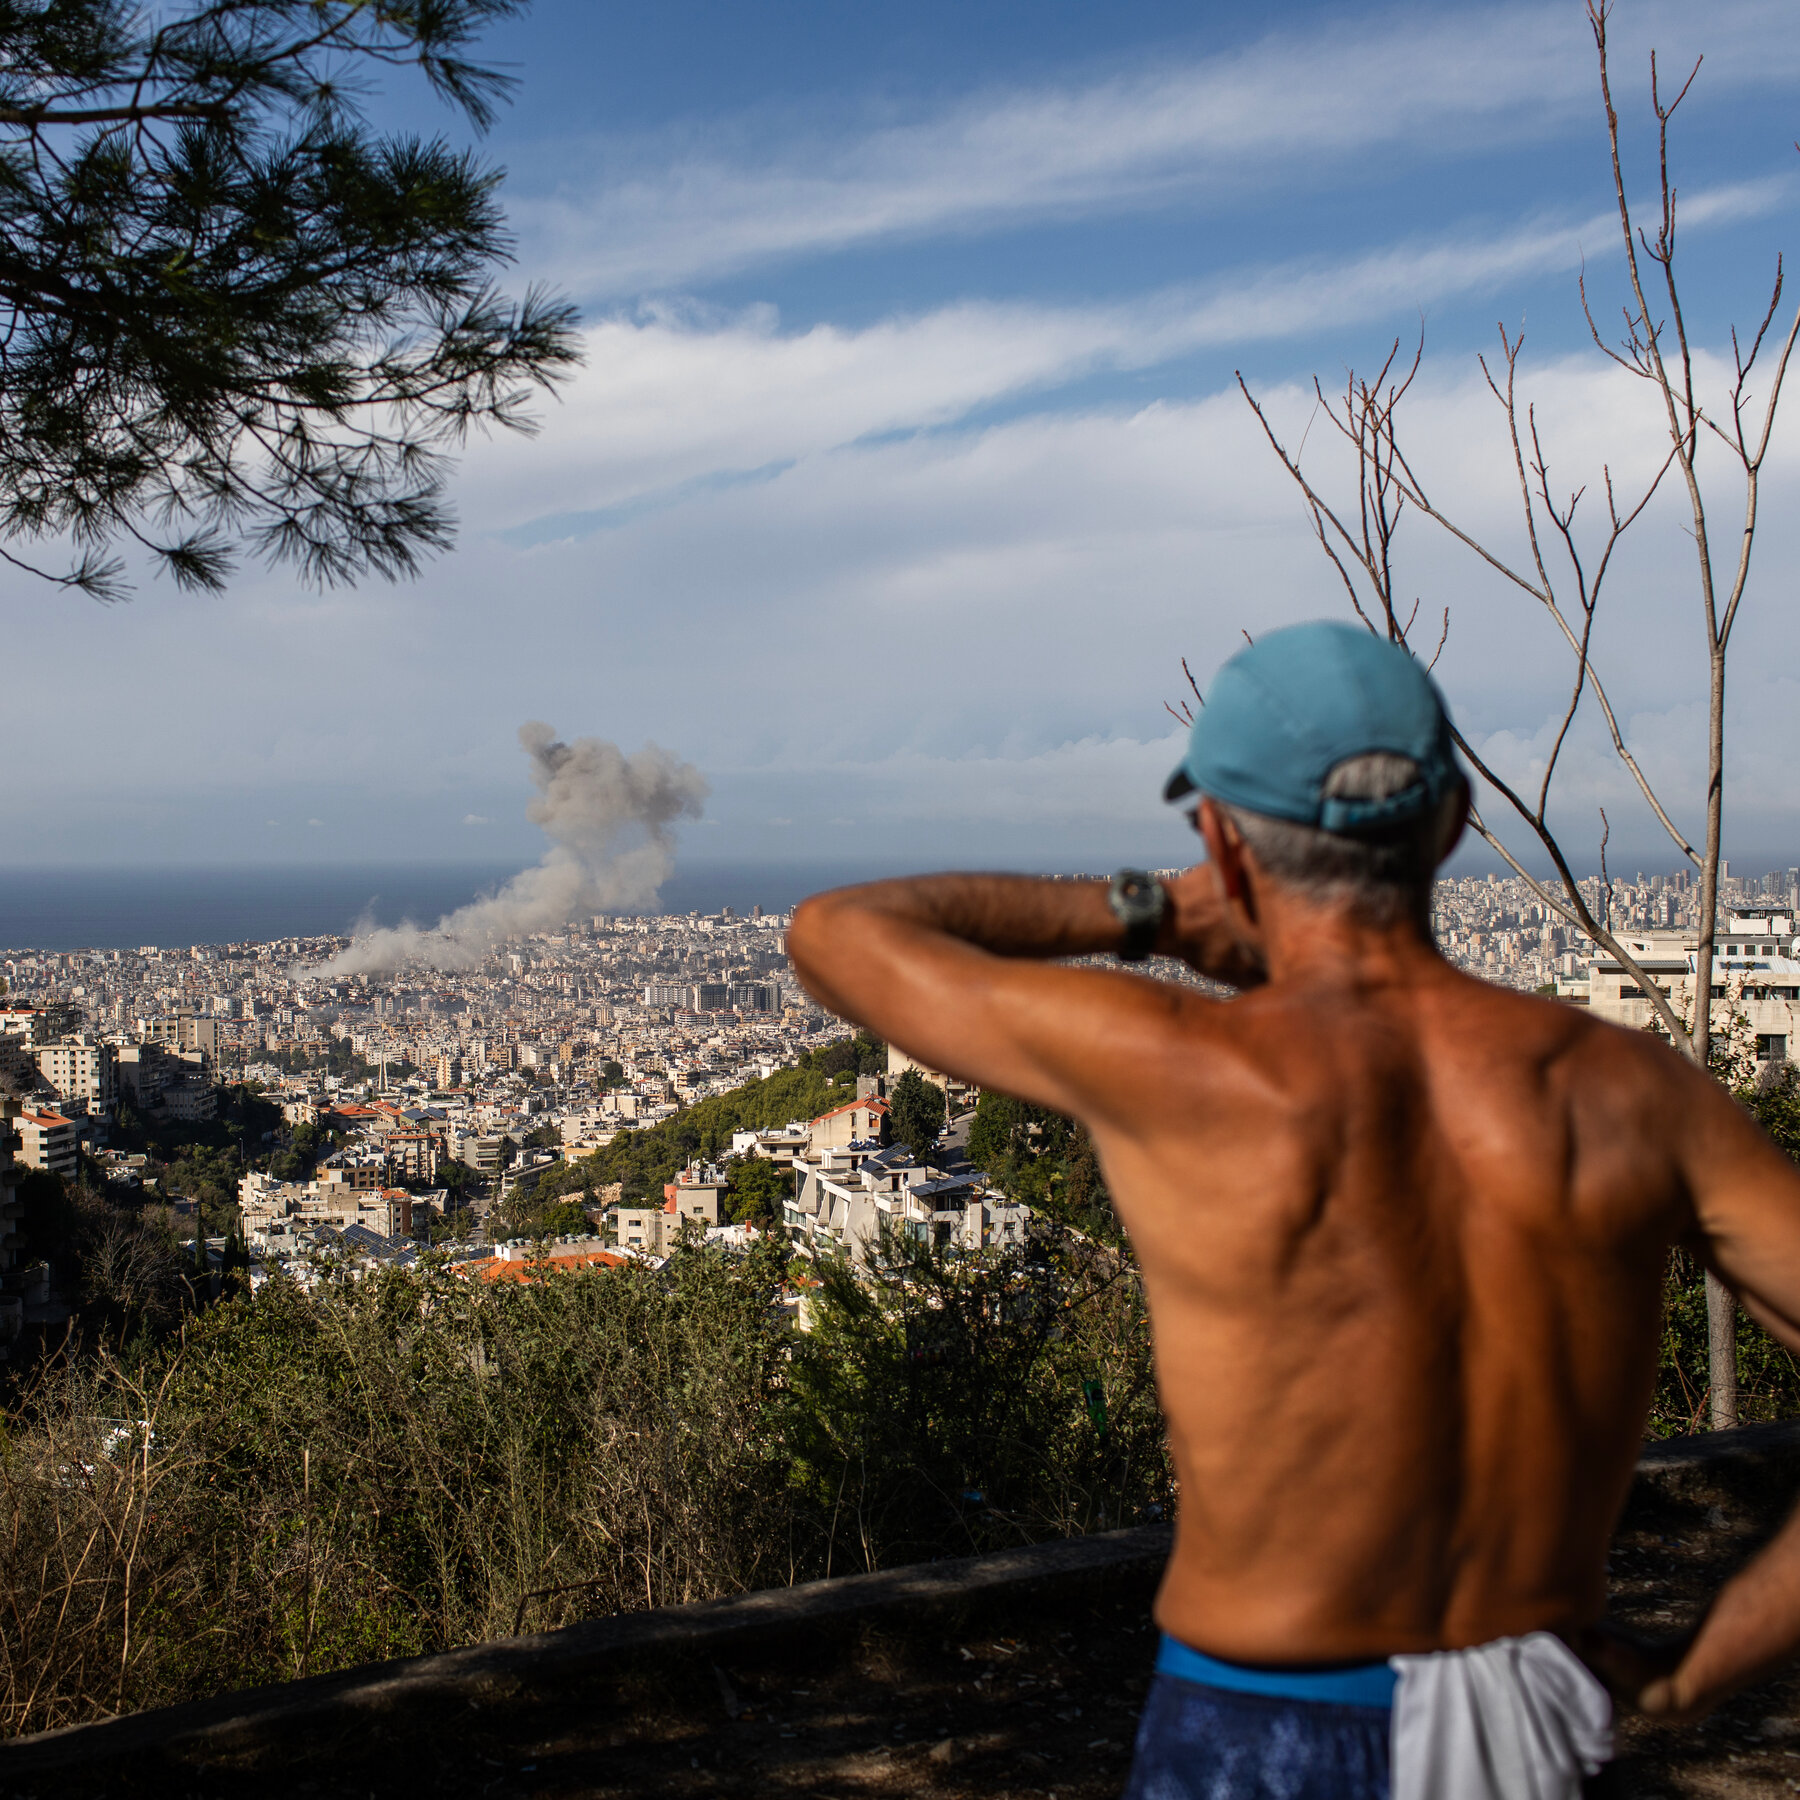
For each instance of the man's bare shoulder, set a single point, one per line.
(1606, 1074)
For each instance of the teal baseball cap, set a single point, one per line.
(1281, 715)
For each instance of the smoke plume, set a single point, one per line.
(607, 816)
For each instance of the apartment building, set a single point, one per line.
(181, 1031)
(696, 1193)
(856, 1121)
(10, 1209)
(693, 1197)
(642, 1228)
(352, 1172)
(278, 1216)
(82, 1073)
(47, 1140)
(21, 1022)
(956, 1093)
(18, 1067)
(848, 1201)
(1756, 973)
(783, 1146)
(413, 1155)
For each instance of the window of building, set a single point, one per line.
(1771, 1048)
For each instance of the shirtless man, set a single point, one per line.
(1403, 1237)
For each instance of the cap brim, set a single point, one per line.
(1180, 785)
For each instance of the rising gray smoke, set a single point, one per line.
(607, 816)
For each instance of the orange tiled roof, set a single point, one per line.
(491, 1268)
(872, 1104)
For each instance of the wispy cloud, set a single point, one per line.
(677, 402)
(628, 218)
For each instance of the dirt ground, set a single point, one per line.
(1035, 1697)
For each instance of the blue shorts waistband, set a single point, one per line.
(1351, 1684)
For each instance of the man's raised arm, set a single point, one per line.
(949, 967)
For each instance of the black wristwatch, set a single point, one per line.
(1137, 900)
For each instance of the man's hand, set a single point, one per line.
(1644, 1673)
(1207, 932)
(1749, 1632)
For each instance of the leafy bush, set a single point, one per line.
(758, 1188)
(307, 1480)
(954, 1403)
(526, 1217)
(858, 1055)
(1768, 1375)
(1044, 1160)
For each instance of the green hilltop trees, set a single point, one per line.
(642, 1160)
(916, 1113)
(233, 317)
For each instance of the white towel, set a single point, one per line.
(1518, 1719)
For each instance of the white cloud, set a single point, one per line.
(1300, 106)
(673, 400)
(979, 629)
(962, 640)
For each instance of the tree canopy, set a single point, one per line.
(232, 316)
(916, 1109)
(1044, 1160)
(758, 1188)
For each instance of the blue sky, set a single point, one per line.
(907, 461)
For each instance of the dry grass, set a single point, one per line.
(308, 1481)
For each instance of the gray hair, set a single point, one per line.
(1383, 876)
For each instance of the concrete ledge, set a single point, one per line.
(1752, 1471)
(1759, 1443)
(232, 1723)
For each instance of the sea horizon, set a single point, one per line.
(174, 905)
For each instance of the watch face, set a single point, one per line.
(1137, 899)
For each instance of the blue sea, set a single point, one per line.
(108, 909)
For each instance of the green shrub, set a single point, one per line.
(305, 1480)
(954, 1404)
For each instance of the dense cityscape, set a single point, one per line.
(434, 1102)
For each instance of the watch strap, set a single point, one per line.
(1137, 900)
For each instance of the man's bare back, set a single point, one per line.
(1403, 1236)
(1403, 1242)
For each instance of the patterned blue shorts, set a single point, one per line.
(1197, 1742)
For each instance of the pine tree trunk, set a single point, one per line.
(1721, 1347)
